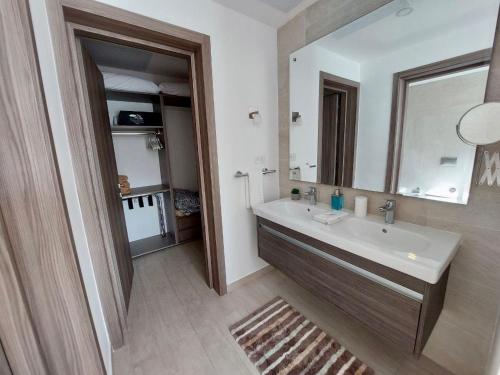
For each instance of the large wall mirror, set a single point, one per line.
(375, 104)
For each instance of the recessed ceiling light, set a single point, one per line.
(403, 12)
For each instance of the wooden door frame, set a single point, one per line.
(70, 18)
(45, 322)
(324, 77)
(399, 87)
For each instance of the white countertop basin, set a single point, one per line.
(419, 251)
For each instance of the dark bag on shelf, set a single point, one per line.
(133, 118)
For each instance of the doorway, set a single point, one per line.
(139, 103)
(100, 141)
(338, 108)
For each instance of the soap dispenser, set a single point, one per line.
(337, 200)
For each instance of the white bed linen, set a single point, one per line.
(121, 82)
(173, 88)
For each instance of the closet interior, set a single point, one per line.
(151, 121)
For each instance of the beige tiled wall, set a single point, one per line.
(461, 339)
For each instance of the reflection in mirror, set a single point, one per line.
(480, 125)
(374, 105)
(434, 162)
(338, 107)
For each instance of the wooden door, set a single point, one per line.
(4, 364)
(330, 136)
(337, 133)
(108, 171)
(45, 322)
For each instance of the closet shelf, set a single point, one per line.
(175, 100)
(151, 244)
(129, 128)
(132, 96)
(146, 190)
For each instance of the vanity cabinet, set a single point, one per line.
(398, 307)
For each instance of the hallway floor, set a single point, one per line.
(179, 326)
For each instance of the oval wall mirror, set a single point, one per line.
(480, 125)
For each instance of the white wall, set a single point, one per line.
(304, 98)
(244, 63)
(182, 150)
(135, 160)
(376, 95)
(142, 166)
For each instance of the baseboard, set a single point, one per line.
(248, 278)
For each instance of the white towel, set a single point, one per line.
(329, 217)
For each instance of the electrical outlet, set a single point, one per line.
(260, 159)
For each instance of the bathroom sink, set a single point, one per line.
(300, 208)
(419, 251)
(384, 235)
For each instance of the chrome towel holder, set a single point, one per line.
(268, 171)
(239, 174)
(248, 198)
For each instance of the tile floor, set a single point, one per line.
(179, 326)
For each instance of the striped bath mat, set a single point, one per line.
(280, 340)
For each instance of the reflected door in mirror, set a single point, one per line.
(337, 130)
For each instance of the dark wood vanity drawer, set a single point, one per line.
(397, 277)
(393, 315)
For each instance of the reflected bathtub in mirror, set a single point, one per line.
(428, 160)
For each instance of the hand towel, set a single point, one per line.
(329, 217)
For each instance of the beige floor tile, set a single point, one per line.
(177, 325)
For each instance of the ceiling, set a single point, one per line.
(283, 5)
(111, 55)
(274, 13)
(382, 32)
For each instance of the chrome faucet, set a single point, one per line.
(312, 194)
(389, 209)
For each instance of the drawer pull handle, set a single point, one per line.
(348, 266)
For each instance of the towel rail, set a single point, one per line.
(268, 171)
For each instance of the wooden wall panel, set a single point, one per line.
(96, 95)
(493, 86)
(4, 364)
(36, 234)
(20, 340)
